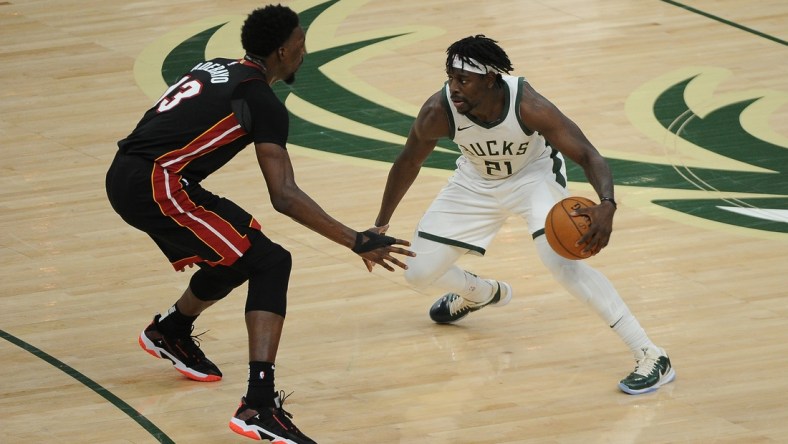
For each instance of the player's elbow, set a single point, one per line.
(281, 204)
(284, 200)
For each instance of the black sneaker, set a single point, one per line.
(271, 423)
(652, 371)
(183, 351)
(452, 307)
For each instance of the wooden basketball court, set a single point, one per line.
(689, 101)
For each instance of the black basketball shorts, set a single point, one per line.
(189, 224)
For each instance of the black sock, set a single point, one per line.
(261, 384)
(175, 322)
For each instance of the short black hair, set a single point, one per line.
(482, 49)
(267, 28)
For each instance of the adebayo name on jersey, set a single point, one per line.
(218, 72)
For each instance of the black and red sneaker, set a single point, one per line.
(184, 352)
(271, 423)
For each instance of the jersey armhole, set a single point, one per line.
(518, 100)
(447, 109)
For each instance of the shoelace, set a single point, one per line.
(645, 366)
(192, 344)
(282, 397)
(457, 305)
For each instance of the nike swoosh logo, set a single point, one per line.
(464, 128)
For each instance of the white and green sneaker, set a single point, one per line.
(452, 307)
(652, 371)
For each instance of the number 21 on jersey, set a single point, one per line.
(496, 167)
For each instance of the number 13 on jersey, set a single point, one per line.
(185, 88)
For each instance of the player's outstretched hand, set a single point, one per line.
(376, 248)
(380, 230)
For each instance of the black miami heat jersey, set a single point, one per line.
(207, 117)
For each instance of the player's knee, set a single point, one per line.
(214, 283)
(268, 281)
(419, 277)
(561, 268)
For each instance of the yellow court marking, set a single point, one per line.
(701, 99)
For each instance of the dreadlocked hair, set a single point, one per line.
(482, 49)
(268, 28)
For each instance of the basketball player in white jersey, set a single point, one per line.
(512, 141)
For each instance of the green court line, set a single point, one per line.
(89, 383)
(727, 22)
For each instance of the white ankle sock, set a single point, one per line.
(477, 289)
(629, 330)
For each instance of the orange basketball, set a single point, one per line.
(563, 230)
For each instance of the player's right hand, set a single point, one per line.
(375, 247)
(380, 230)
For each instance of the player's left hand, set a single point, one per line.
(598, 234)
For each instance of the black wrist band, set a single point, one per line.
(609, 199)
(373, 242)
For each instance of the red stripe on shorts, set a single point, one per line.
(174, 202)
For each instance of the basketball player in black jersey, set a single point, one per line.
(199, 124)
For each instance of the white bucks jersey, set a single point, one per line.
(501, 148)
